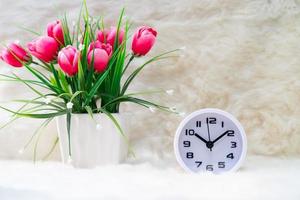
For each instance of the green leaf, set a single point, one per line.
(64, 81)
(128, 63)
(76, 94)
(53, 104)
(41, 77)
(38, 138)
(90, 112)
(52, 149)
(55, 74)
(11, 120)
(120, 130)
(101, 78)
(29, 30)
(78, 31)
(138, 101)
(116, 42)
(86, 16)
(21, 80)
(38, 116)
(69, 131)
(33, 82)
(95, 87)
(66, 31)
(81, 79)
(139, 69)
(115, 122)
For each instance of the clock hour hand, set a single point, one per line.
(218, 138)
(209, 144)
(201, 138)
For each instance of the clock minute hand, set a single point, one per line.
(201, 138)
(225, 133)
(208, 132)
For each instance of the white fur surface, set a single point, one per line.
(260, 178)
(240, 56)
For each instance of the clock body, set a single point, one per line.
(210, 140)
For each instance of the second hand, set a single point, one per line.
(208, 131)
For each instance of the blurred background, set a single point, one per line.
(240, 56)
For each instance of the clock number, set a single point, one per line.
(198, 163)
(230, 156)
(221, 164)
(186, 143)
(222, 124)
(230, 133)
(189, 155)
(189, 132)
(211, 120)
(209, 168)
(233, 144)
(198, 123)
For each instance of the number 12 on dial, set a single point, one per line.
(210, 140)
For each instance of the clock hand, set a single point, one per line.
(208, 146)
(201, 138)
(225, 133)
(208, 129)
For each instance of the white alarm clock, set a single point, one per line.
(210, 140)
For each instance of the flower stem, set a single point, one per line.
(130, 59)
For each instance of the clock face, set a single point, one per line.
(210, 140)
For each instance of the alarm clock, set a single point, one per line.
(210, 140)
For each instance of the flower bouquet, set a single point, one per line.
(83, 71)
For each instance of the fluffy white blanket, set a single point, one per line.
(260, 178)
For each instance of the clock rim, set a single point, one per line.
(217, 111)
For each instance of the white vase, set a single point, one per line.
(94, 142)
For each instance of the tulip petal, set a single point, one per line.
(10, 59)
(143, 40)
(68, 60)
(100, 59)
(44, 48)
(18, 51)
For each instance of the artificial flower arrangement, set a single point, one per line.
(82, 69)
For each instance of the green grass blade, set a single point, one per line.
(29, 30)
(29, 86)
(46, 157)
(139, 69)
(120, 130)
(38, 138)
(69, 132)
(63, 81)
(38, 116)
(42, 78)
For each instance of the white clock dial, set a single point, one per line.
(210, 140)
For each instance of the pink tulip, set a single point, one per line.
(68, 60)
(108, 36)
(44, 48)
(99, 55)
(55, 31)
(143, 40)
(15, 55)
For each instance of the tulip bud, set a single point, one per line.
(108, 36)
(99, 55)
(44, 48)
(55, 31)
(68, 60)
(143, 40)
(15, 55)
